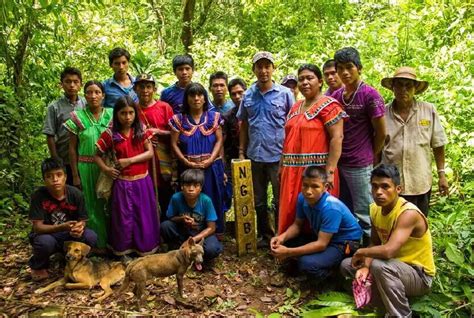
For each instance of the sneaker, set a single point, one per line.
(39, 274)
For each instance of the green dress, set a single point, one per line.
(87, 129)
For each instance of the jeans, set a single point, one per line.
(45, 245)
(176, 234)
(356, 193)
(262, 174)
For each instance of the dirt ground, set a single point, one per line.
(234, 287)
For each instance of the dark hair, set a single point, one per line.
(236, 81)
(193, 89)
(184, 59)
(386, 171)
(315, 172)
(329, 63)
(347, 55)
(127, 101)
(192, 176)
(71, 71)
(312, 68)
(218, 75)
(96, 83)
(116, 53)
(52, 164)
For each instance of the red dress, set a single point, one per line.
(306, 144)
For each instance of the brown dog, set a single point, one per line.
(174, 262)
(82, 273)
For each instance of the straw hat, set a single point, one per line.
(407, 73)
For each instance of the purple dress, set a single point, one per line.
(196, 142)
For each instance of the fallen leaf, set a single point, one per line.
(266, 299)
(169, 300)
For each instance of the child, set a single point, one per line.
(191, 213)
(59, 112)
(335, 233)
(155, 115)
(134, 220)
(58, 214)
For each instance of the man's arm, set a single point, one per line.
(243, 138)
(208, 231)
(380, 131)
(442, 181)
(40, 228)
(51, 146)
(404, 227)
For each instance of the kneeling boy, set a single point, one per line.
(335, 232)
(191, 213)
(58, 214)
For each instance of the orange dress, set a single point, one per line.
(306, 144)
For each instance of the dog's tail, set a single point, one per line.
(126, 281)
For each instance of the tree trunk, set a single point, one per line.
(187, 30)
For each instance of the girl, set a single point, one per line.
(85, 127)
(196, 138)
(134, 221)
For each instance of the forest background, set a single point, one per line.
(40, 37)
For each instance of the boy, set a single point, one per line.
(183, 68)
(335, 233)
(155, 115)
(121, 83)
(331, 78)
(59, 112)
(291, 82)
(400, 256)
(191, 214)
(364, 134)
(58, 214)
(218, 88)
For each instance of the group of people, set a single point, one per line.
(318, 154)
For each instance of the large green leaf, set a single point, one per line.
(329, 311)
(336, 296)
(454, 255)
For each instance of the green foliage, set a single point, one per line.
(331, 304)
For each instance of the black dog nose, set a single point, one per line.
(68, 257)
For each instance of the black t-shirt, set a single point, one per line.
(52, 211)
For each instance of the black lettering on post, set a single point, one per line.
(245, 210)
(243, 190)
(247, 227)
(242, 172)
(248, 247)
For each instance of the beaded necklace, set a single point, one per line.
(353, 94)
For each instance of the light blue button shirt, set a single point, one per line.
(266, 117)
(113, 91)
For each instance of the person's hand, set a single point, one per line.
(225, 179)
(158, 131)
(330, 180)
(154, 141)
(280, 252)
(361, 274)
(194, 165)
(443, 185)
(357, 260)
(67, 226)
(206, 163)
(78, 229)
(124, 163)
(76, 181)
(188, 221)
(112, 172)
(275, 242)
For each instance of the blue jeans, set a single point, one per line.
(175, 234)
(356, 193)
(318, 265)
(45, 245)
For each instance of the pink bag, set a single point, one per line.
(362, 291)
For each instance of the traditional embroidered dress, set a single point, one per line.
(306, 144)
(196, 142)
(134, 223)
(87, 129)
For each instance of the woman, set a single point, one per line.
(85, 127)
(313, 136)
(196, 139)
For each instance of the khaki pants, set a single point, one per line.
(393, 283)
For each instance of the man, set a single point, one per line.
(230, 132)
(121, 83)
(183, 68)
(58, 214)
(331, 78)
(59, 112)
(263, 115)
(291, 82)
(218, 88)
(413, 127)
(364, 134)
(400, 256)
(155, 114)
(335, 233)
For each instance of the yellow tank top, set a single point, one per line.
(416, 250)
